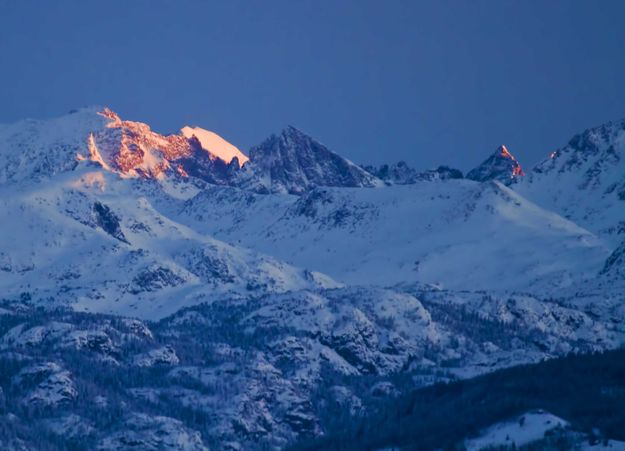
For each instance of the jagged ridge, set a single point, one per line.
(501, 166)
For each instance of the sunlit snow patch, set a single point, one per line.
(215, 144)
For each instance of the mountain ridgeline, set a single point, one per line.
(171, 291)
(289, 162)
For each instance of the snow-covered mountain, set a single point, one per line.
(501, 166)
(293, 162)
(283, 290)
(584, 181)
(33, 150)
(178, 212)
(88, 239)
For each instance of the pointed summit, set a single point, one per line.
(292, 130)
(501, 166)
(293, 162)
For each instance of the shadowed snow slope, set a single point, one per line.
(459, 233)
(585, 181)
(521, 431)
(90, 239)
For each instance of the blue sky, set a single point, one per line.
(426, 82)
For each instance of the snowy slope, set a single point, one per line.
(430, 279)
(88, 239)
(32, 150)
(459, 233)
(520, 431)
(72, 173)
(538, 429)
(584, 181)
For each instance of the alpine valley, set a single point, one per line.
(172, 292)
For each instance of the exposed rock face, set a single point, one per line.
(161, 356)
(108, 221)
(500, 166)
(290, 162)
(293, 162)
(132, 148)
(46, 384)
(155, 278)
(39, 149)
(615, 263)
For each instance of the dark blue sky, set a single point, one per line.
(428, 82)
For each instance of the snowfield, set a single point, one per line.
(518, 432)
(457, 233)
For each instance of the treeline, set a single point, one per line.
(587, 390)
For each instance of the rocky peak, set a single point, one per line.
(109, 114)
(593, 153)
(584, 181)
(294, 162)
(290, 162)
(133, 149)
(501, 166)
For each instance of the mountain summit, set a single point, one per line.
(133, 149)
(36, 150)
(290, 162)
(584, 181)
(293, 162)
(501, 166)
